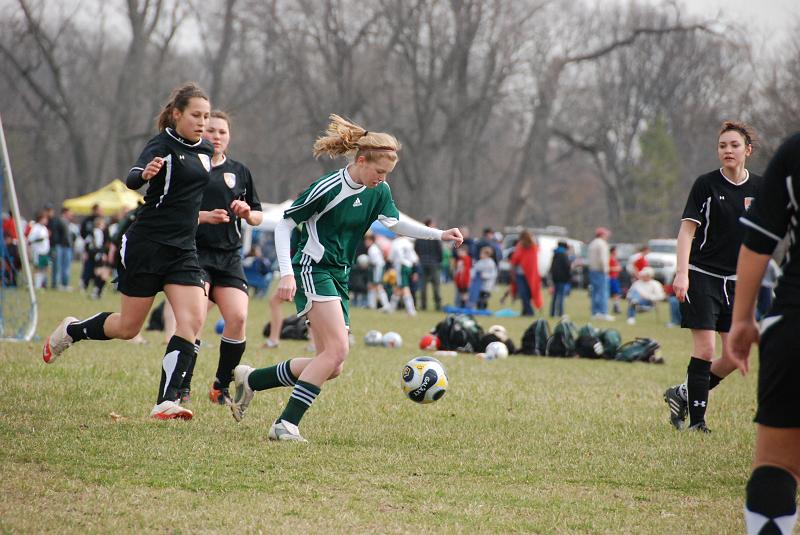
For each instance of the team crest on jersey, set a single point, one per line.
(747, 202)
(205, 160)
(230, 179)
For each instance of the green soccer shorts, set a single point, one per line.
(317, 283)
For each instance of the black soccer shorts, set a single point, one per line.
(145, 267)
(779, 370)
(709, 303)
(222, 269)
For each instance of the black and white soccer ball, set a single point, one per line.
(424, 380)
(373, 338)
(496, 350)
(392, 339)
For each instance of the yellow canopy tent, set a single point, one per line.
(112, 198)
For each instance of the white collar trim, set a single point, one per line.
(746, 177)
(174, 135)
(350, 182)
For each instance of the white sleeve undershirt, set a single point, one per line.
(283, 238)
(410, 228)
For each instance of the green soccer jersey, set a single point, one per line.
(337, 213)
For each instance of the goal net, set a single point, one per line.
(18, 312)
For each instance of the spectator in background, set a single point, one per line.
(462, 274)
(598, 260)
(98, 245)
(674, 307)
(614, 269)
(638, 261)
(359, 279)
(527, 280)
(403, 258)
(485, 272)
(61, 241)
(643, 294)
(375, 290)
(86, 229)
(768, 284)
(9, 228)
(430, 260)
(488, 240)
(560, 273)
(469, 241)
(39, 240)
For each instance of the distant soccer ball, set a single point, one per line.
(392, 339)
(430, 342)
(499, 331)
(362, 261)
(373, 338)
(220, 326)
(496, 350)
(424, 380)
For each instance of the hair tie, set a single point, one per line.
(365, 133)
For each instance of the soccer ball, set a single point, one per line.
(392, 339)
(430, 341)
(373, 338)
(362, 261)
(496, 350)
(424, 380)
(220, 326)
(499, 331)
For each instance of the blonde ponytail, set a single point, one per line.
(343, 137)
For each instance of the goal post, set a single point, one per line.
(18, 307)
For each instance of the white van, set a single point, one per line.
(663, 258)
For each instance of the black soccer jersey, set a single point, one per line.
(716, 204)
(774, 213)
(229, 181)
(172, 200)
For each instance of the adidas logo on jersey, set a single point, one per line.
(357, 202)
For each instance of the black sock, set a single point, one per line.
(173, 368)
(697, 385)
(89, 329)
(230, 354)
(771, 495)
(713, 380)
(187, 379)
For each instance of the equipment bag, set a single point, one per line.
(459, 332)
(640, 350)
(534, 339)
(487, 339)
(611, 340)
(294, 328)
(562, 342)
(588, 344)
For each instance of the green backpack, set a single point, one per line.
(611, 340)
(562, 342)
(588, 344)
(640, 350)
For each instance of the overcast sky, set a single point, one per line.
(766, 20)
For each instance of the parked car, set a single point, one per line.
(663, 258)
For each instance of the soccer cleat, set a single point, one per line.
(678, 407)
(58, 341)
(220, 396)
(243, 394)
(285, 431)
(699, 427)
(184, 395)
(170, 410)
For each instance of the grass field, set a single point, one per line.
(526, 445)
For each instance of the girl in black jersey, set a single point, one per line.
(771, 491)
(158, 251)
(705, 280)
(229, 197)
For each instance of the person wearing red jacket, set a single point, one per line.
(525, 264)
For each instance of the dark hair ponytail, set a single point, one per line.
(178, 100)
